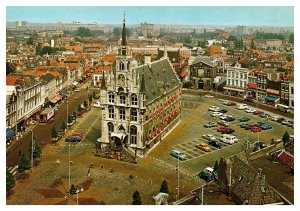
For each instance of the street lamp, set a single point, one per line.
(32, 148)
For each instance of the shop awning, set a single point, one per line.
(10, 133)
(272, 91)
(251, 86)
(234, 89)
(58, 97)
(120, 135)
(271, 98)
(183, 73)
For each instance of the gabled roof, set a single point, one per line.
(158, 76)
(286, 158)
(204, 59)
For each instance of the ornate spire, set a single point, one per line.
(124, 38)
(143, 87)
(103, 81)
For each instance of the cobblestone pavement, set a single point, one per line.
(158, 165)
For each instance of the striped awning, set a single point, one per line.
(234, 89)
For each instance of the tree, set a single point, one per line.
(286, 138)
(83, 32)
(10, 181)
(73, 190)
(70, 119)
(164, 188)
(30, 41)
(136, 198)
(24, 164)
(216, 166)
(63, 126)
(54, 133)
(252, 46)
(37, 152)
(291, 38)
(117, 31)
(79, 108)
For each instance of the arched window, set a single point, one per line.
(133, 135)
(110, 128)
(121, 66)
(121, 80)
(122, 99)
(133, 115)
(111, 112)
(134, 100)
(111, 97)
(122, 113)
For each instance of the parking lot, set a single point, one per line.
(190, 132)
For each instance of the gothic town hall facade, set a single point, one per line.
(140, 104)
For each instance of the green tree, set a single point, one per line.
(128, 32)
(83, 32)
(136, 198)
(54, 133)
(10, 181)
(37, 151)
(63, 126)
(164, 188)
(38, 49)
(24, 164)
(291, 38)
(252, 45)
(79, 108)
(70, 119)
(117, 31)
(286, 138)
(30, 41)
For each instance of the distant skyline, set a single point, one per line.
(197, 15)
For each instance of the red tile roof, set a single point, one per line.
(11, 80)
(286, 158)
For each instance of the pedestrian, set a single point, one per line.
(101, 167)
(89, 172)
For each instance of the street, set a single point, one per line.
(42, 133)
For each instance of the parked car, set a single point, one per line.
(248, 99)
(77, 90)
(207, 174)
(223, 111)
(285, 122)
(264, 115)
(223, 123)
(225, 102)
(216, 144)
(280, 119)
(216, 114)
(177, 154)
(209, 137)
(241, 106)
(210, 124)
(266, 126)
(97, 104)
(214, 108)
(290, 124)
(244, 119)
(227, 118)
(229, 139)
(257, 112)
(74, 137)
(225, 130)
(203, 147)
(209, 96)
(231, 104)
(255, 129)
(250, 110)
(244, 124)
(259, 124)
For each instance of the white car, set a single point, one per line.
(275, 118)
(250, 110)
(77, 90)
(209, 96)
(209, 137)
(215, 114)
(229, 139)
(225, 116)
(97, 104)
(214, 108)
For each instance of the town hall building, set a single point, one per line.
(140, 104)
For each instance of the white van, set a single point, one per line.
(228, 139)
(241, 106)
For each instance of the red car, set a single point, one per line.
(255, 129)
(225, 130)
(258, 112)
(231, 104)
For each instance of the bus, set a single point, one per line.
(283, 108)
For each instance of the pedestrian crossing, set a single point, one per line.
(13, 170)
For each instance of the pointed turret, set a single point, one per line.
(124, 38)
(103, 86)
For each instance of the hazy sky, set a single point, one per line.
(254, 15)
